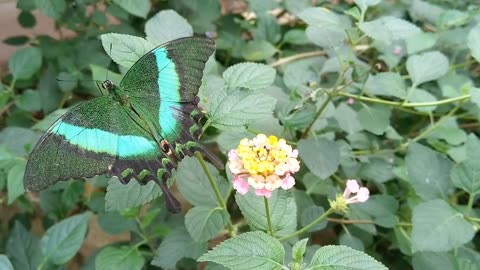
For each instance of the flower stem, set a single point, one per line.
(214, 186)
(471, 200)
(317, 115)
(306, 228)
(269, 220)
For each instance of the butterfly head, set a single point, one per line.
(108, 85)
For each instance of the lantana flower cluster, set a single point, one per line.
(264, 163)
(343, 200)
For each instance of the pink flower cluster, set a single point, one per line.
(361, 193)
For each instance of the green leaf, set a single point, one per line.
(426, 67)
(364, 4)
(341, 257)
(125, 257)
(63, 240)
(120, 196)
(420, 42)
(52, 8)
(326, 37)
(25, 62)
(138, 8)
(249, 75)
(165, 26)
(204, 222)
(310, 214)
(473, 39)
(113, 223)
(381, 208)
(297, 6)
(386, 84)
(299, 249)
(251, 250)
(375, 119)
(431, 260)
(283, 212)
(438, 227)
(388, 29)
(258, 50)
(320, 17)
(452, 18)
(16, 40)
(428, 172)
(296, 37)
(101, 74)
(5, 263)
(175, 246)
(26, 5)
(26, 19)
(15, 181)
(194, 185)
(125, 50)
(320, 155)
(46, 122)
(23, 248)
(262, 6)
(237, 107)
(268, 29)
(30, 101)
(421, 95)
(349, 240)
(466, 176)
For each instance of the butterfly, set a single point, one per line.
(140, 130)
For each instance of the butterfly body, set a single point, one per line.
(140, 130)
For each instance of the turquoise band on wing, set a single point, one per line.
(169, 91)
(100, 141)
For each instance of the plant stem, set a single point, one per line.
(471, 200)
(350, 221)
(317, 115)
(306, 228)
(214, 186)
(267, 213)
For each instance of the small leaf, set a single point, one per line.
(237, 107)
(52, 8)
(267, 29)
(386, 84)
(16, 40)
(320, 17)
(428, 172)
(466, 176)
(125, 257)
(15, 181)
(23, 248)
(296, 37)
(347, 119)
(320, 155)
(473, 39)
(249, 75)
(375, 119)
(30, 101)
(297, 6)
(251, 250)
(364, 4)
(438, 227)
(420, 42)
(194, 184)
(341, 257)
(350, 240)
(5, 263)
(388, 29)
(25, 62)
(175, 246)
(299, 249)
(165, 26)
(427, 67)
(138, 8)
(283, 212)
(204, 222)
(26, 19)
(125, 50)
(63, 240)
(120, 196)
(258, 50)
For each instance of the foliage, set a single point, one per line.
(380, 91)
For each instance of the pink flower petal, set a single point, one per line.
(294, 153)
(352, 185)
(363, 194)
(240, 185)
(263, 192)
(350, 101)
(288, 182)
(232, 154)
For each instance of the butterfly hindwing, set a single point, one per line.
(98, 136)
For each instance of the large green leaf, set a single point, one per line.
(428, 172)
(125, 257)
(426, 67)
(125, 50)
(386, 84)
(204, 222)
(473, 40)
(120, 196)
(466, 175)
(283, 211)
(63, 240)
(388, 29)
(320, 155)
(175, 246)
(165, 26)
(138, 8)
(375, 119)
(5, 263)
(258, 50)
(15, 181)
(341, 257)
(23, 248)
(251, 250)
(433, 260)
(52, 8)
(25, 62)
(438, 227)
(249, 75)
(347, 119)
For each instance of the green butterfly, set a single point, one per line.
(140, 130)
